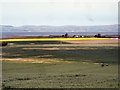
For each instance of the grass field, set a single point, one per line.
(55, 65)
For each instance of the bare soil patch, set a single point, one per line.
(112, 40)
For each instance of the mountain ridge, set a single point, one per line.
(65, 28)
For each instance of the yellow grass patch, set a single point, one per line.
(51, 39)
(33, 60)
(42, 60)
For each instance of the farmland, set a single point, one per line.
(57, 64)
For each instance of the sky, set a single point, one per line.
(58, 12)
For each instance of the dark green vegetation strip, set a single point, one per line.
(107, 54)
(38, 42)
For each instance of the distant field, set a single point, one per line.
(57, 64)
(105, 41)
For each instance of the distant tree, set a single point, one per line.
(95, 36)
(63, 35)
(98, 35)
(66, 35)
(74, 36)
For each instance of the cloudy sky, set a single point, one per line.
(58, 12)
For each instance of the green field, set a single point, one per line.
(60, 65)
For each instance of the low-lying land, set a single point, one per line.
(57, 64)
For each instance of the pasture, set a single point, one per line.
(57, 64)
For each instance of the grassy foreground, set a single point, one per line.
(55, 65)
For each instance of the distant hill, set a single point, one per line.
(67, 28)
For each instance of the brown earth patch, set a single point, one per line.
(112, 40)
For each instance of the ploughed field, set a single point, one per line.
(57, 64)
